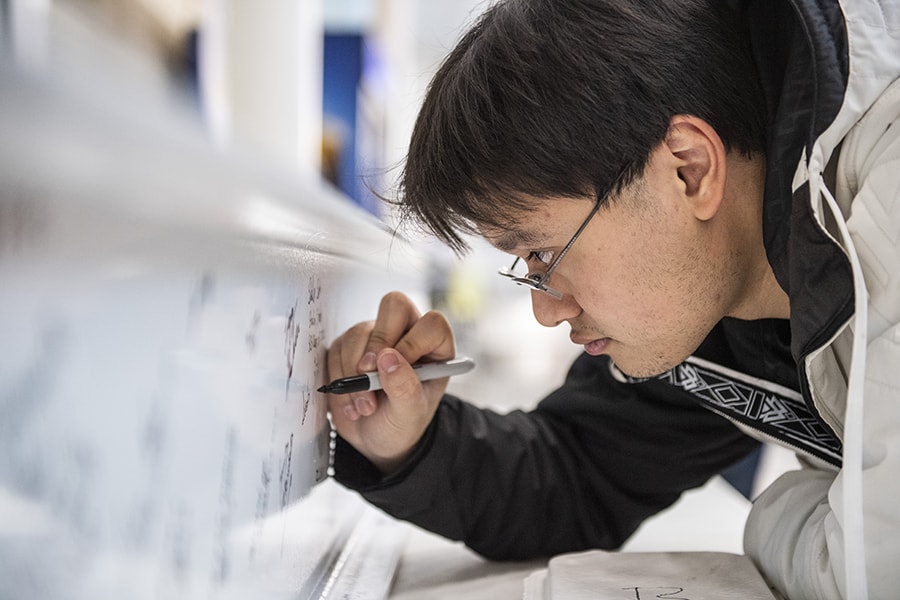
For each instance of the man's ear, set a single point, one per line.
(700, 162)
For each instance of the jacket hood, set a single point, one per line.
(801, 51)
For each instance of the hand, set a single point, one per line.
(386, 425)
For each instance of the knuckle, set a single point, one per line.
(432, 336)
(378, 339)
(394, 298)
(436, 319)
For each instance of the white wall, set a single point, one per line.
(164, 314)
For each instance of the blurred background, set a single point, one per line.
(328, 88)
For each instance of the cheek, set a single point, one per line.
(646, 299)
(636, 285)
(622, 300)
(641, 280)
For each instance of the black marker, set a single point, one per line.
(368, 382)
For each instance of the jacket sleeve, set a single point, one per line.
(581, 471)
(795, 531)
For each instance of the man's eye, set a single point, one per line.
(542, 256)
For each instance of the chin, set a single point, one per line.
(637, 369)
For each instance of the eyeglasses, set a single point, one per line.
(538, 281)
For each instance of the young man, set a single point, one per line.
(708, 196)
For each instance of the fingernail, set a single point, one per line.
(389, 362)
(367, 363)
(350, 412)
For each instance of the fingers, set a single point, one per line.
(406, 409)
(342, 360)
(385, 425)
(430, 337)
(398, 326)
(411, 402)
(396, 315)
(399, 380)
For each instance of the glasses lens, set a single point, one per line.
(520, 275)
(534, 281)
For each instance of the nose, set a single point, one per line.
(550, 312)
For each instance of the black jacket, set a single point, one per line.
(584, 469)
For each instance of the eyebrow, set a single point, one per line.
(515, 238)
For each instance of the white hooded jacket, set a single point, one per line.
(820, 532)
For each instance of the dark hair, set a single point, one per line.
(567, 98)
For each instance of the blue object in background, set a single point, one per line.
(342, 73)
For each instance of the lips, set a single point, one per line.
(594, 347)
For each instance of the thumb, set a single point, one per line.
(398, 379)
(411, 404)
(407, 410)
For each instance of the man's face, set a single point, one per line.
(644, 283)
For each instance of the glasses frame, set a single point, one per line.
(538, 281)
